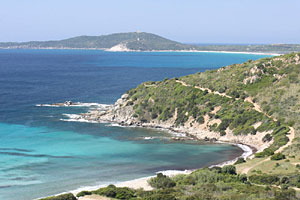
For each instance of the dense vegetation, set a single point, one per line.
(161, 101)
(273, 83)
(205, 184)
(68, 196)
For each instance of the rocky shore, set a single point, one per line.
(122, 114)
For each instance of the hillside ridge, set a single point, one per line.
(134, 41)
(142, 41)
(223, 104)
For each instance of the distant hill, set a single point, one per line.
(262, 48)
(141, 41)
(138, 41)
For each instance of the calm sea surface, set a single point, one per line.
(40, 154)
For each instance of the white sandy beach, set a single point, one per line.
(120, 48)
(143, 182)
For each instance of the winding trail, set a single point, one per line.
(256, 107)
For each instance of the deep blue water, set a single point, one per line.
(41, 155)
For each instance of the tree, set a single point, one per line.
(229, 169)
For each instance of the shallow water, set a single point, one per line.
(41, 155)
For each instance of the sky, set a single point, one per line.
(188, 21)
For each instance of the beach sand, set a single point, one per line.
(136, 184)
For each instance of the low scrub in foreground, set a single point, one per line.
(214, 183)
(68, 196)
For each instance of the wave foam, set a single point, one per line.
(247, 152)
(77, 118)
(78, 104)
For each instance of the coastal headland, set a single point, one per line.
(242, 104)
(147, 42)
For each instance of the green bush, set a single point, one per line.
(264, 179)
(278, 156)
(160, 197)
(267, 138)
(239, 161)
(116, 192)
(288, 194)
(243, 178)
(68, 196)
(161, 181)
(229, 169)
(83, 193)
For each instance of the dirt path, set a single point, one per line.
(256, 107)
(246, 170)
(203, 89)
(291, 136)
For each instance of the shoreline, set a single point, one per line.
(200, 51)
(129, 50)
(143, 181)
(178, 135)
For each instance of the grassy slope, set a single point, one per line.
(271, 82)
(275, 86)
(203, 184)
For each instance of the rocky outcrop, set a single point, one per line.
(123, 114)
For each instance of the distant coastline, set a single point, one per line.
(144, 42)
(129, 50)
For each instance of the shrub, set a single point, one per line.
(154, 116)
(200, 120)
(161, 181)
(239, 161)
(222, 133)
(160, 197)
(284, 180)
(278, 156)
(229, 169)
(83, 193)
(267, 138)
(116, 192)
(243, 178)
(264, 179)
(224, 124)
(285, 194)
(68, 196)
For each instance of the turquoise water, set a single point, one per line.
(42, 155)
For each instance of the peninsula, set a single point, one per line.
(142, 41)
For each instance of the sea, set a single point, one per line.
(43, 152)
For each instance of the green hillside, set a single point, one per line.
(134, 41)
(141, 41)
(271, 83)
